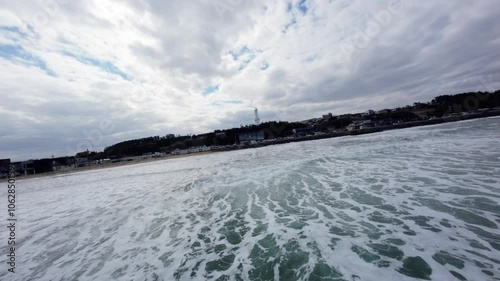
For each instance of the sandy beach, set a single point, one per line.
(108, 165)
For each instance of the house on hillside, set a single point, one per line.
(327, 116)
(368, 113)
(81, 161)
(251, 136)
(384, 111)
(303, 131)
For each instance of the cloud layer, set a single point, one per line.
(193, 66)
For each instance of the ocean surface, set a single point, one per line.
(398, 205)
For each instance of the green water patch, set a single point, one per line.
(356, 208)
(458, 213)
(345, 217)
(120, 272)
(325, 211)
(219, 248)
(282, 218)
(323, 272)
(383, 263)
(165, 259)
(292, 200)
(257, 213)
(297, 224)
(478, 245)
(378, 217)
(480, 264)
(234, 229)
(445, 223)
(416, 267)
(220, 264)
(371, 230)
(480, 203)
(344, 195)
(444, 258)
(483, 233)
(233, 237)
(203, 238)
(339, 204)
(342, 231)
(333, 243)
(458, 275)
(364, 254)
(335, 186)
(484, 257)
(259, 229)
(376, 187)
(264, 258)
(422, 221)
(386, 250)
(194, 270)
(395, 241)
(292, 265)
(371, 180)
(408, 231)
(424, 180)
(222, 278)
(487, 272)
(495, 245)
(364, 198)
(389, 208)
(465, 191)
(400, 190)
(315, 248)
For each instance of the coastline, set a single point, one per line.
(494, 113)
(108, 165)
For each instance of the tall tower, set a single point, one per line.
(257, 120)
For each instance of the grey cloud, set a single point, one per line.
(431, 48)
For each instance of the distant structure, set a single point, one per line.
(251, 137)
(257, 119)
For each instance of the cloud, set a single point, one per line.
(153, 68)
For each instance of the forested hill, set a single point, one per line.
(218, 137)
(438, 107)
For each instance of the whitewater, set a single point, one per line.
(418, 203)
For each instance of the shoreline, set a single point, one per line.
(438, 121)
(108, 166)
(421, 123)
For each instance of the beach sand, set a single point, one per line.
(108, 165)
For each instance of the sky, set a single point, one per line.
(80, 75)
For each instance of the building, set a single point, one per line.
(384, 111)
(366, 125)
(303, 131)
(25, 167)
(368, 113)
(81, 161)
(4, 168)
(327, 116)
(220, 134)
(353, 126)
(251, 136)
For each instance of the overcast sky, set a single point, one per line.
(88, 74)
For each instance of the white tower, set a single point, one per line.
(257, 120)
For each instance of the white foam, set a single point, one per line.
(127, 222)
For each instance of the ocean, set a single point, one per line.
(418, 203)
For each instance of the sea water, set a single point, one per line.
(398, 205)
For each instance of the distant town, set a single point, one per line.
(447, 108)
